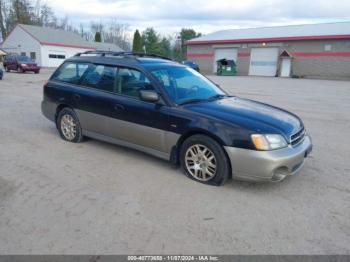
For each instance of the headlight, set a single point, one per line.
(24, 65)
(268, 142)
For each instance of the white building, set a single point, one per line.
(49, 47)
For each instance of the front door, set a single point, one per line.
(286, 67)
(135, 121)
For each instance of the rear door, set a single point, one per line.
(77, 85)
(94, 98)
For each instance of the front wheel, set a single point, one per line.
(68, 126)
(20, 70)
(204, 160)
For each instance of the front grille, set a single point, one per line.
(298, 137)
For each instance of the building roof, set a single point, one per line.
(278, 33)
(58, 37)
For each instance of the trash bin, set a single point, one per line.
(226, 67)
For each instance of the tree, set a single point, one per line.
(98, 37)
(156, 44)
(21, 12)
(180, 49)
(137, 42)
(150, 40)
(3, 18)
(118, 34)
(165, 47)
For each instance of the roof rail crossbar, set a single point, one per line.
(122, 54)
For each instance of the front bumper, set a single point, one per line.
(31, 68)
(274, 166)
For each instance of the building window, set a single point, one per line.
(23, 53)
(328, 47)
(54, 56)
(33, 55)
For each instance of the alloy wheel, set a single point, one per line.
(200, 162)
(68, 127)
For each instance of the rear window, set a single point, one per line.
(70, 72)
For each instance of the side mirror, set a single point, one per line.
(149, 96)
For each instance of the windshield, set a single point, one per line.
(24, 59)
(184, 84)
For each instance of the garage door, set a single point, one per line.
(227, 53)
(263, 62)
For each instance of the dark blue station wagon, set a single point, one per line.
(171, 111)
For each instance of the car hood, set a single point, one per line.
(255, 116)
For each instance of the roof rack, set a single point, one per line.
(120, 54)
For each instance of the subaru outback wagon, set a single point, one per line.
(169, 110)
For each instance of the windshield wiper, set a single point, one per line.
(195, 100)
(211, 98)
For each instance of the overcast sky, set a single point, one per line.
(168, 16)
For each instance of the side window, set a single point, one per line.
(70, 72)
(130, 82)
(33, 55)
(101, 77)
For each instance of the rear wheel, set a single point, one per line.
(68, 126)
(20, 69)
(36, 72)
(204, 160)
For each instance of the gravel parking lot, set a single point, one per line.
(96, 198)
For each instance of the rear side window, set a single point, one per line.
(70, 72)
(101, 77)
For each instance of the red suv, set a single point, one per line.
(20, 63)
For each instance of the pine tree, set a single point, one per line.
(98, 37)
(137, 42)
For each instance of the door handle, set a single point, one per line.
(119, 107)
(76, 97)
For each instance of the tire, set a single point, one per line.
(36, 72)
(200, 167)
(20, 70)
(68, 116)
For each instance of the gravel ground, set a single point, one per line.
(96, 198)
